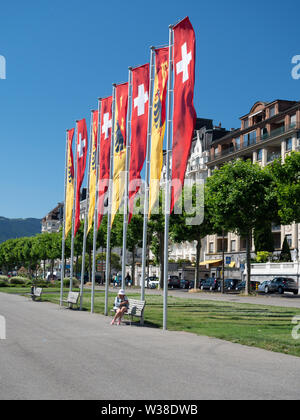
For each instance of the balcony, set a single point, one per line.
(261, 140)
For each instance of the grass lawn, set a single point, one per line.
(264, 326)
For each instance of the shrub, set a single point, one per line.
(4, 283)
(4, 278)
(18, 280)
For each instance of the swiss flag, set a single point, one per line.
(81, 154)
(184, 116)
(104, 157)
(139, 126)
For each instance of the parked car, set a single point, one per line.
(231, 284)
(281, 285)
(210, 284)
(262, 287)
(185, 284)
(152, 282)
(242, 286)
(173, 281)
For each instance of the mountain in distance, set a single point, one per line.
(18, 228)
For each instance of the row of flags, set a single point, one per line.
(120, 129)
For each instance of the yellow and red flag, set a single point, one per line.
(121, 105)
(70, 183)
(93, 170)
(158, 123)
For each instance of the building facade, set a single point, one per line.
(268, 132)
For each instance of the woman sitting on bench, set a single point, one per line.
(121, 306)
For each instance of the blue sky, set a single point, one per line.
(62, 56)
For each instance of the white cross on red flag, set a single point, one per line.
(104, 157)
(184, 116)
(81, 154)
(139, 125)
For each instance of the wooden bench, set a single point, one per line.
(136, 309)
(72, 299)
(36, 292)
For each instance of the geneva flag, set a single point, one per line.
(104, 157)
(119, 147)
(139, 125)
(82, 147)
(70, 183)
(184, 116)
(158, 123)
(93, 170)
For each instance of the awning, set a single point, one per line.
(210, 262)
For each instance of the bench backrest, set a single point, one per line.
(38, 291)
(73, 297)
(136, 307)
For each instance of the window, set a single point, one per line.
(246, 123)
(211, 247)
(293, 121)
(233, 246)
(250, 138)
(216, 151)
(272, 111)
(259, 154)
(289, 144)
(238, 143)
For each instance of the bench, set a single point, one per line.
(136, 309)
(36, 292)
(72, 299)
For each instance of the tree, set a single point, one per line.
(287, 188)
(239, 196)
(181, 231)
(133, 239)
(263, 237)
(285, 255)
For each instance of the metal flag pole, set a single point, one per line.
(167, 189)
(86, 216)
(147, 174)
(63, 242)
(95, 231)
(73, 213)
(127, 161)
(110, 187)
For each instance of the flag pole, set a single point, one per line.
(167, 188)
(127, 161)
(95, 231)
(73, 213)
(62, 273)
(107, 267)
(85, 217)
(146, 199)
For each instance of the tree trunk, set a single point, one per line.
(197, 270)
(248, 260)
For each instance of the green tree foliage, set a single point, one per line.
(238, 197)
(287, 187)
(285, 255)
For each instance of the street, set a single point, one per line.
(53, 353)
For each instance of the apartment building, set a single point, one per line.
(268, 132)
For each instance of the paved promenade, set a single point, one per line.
(53, 353)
